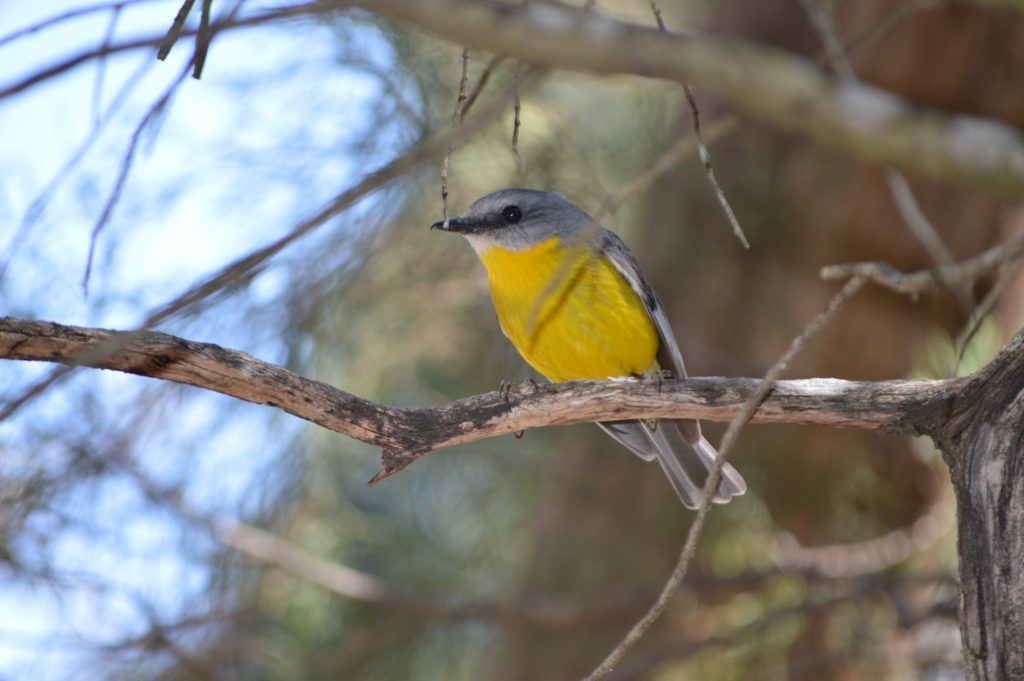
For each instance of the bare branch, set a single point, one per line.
(232, 23)
(360, 586)
(702, 147)
(460, 102)
(924, 231)
(68, 16)
(661, 165)
(906, 407)
(965, 272)
(871, 556)
(202, 40)
(516, 124)
(894, 18)
(40, 202)
(481, 83)
(859, 119)
(174, 32)
(155, 110)
(862, 589)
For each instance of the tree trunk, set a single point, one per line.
(983, 444)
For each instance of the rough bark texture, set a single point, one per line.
(983, 444)
(907, 407)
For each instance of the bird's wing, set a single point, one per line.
(613, 248)
(677, 444)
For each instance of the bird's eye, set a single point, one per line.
(512, 214)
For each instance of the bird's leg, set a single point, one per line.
(505, 390)
(658, 375)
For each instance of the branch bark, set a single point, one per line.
(906, 407)
(983, 444)
(855, 118)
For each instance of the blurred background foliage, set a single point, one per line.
(529, 558)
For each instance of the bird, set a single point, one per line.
(572, 299)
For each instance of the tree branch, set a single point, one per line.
(907, 407)
(858, 119)
(270, 549)
(964, 273)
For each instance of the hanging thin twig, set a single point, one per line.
(126, 164)
(101, 67)
(702, 147)
(175, 30)
(728, 443)
(481, 82)
(516, 123)
(202, 39)
(456, 120)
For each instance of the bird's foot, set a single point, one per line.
(506, 388)
(658, 375)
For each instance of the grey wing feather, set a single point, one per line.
(678, 445)
(620, 256)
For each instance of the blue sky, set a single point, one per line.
(227, 171)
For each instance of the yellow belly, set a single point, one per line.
(569, 313)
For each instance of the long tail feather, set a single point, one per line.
(685, 464)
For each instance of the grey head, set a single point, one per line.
(517, 219)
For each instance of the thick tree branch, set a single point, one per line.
(858, 119)
(908, 407)
(983, 444)
(793, 92)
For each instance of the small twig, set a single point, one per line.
(965, 272)
(175, 30)
(68, 16)
(34, 391)
(702, 147)
(101, 67)
(725, 449)
(456, 121)
(69, 63)
(122, 177)
(896, 17)
(481, 83)
(40, 202)
(1009, 271)
(657, 169)
(203, 38)
(516, 123)
(660, 166)
(861, 590)
(926, 234)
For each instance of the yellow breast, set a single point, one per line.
(569, 313)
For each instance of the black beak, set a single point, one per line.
(457, 225)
